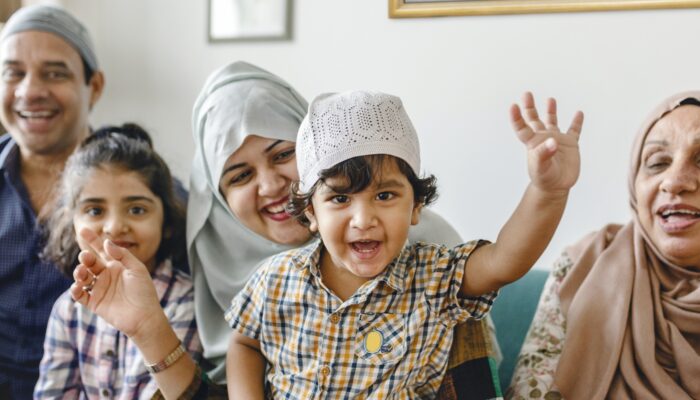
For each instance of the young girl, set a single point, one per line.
(362, 313)
(117, 187)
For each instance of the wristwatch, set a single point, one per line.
(169, 360)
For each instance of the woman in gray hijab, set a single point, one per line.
(245, 122)
(240, 107)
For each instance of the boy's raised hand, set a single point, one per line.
(552, 156)
(122, 292)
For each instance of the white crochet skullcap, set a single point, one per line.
(340, 126)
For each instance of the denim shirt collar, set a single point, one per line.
(9, 154)
(9, 159)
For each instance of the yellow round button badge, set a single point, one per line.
(373, 341)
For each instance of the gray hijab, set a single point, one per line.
(236, 101)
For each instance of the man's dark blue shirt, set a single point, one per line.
(28, 286)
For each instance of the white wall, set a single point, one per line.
(457, 77)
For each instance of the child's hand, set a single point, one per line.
(121, 292)
(553, 157)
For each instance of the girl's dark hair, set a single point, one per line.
(127, 147)
(359, 173)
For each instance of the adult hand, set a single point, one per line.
(553, 157)
(121, 292)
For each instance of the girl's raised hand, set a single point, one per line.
(552, 156)
(114, 284)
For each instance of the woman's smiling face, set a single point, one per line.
(667, 186)
(255, 183)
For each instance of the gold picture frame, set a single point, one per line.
(441, 8)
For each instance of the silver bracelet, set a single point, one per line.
(169, 360)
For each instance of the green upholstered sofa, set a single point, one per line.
(512, 313)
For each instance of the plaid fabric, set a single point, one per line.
(85, 357)
(391, 339)
(28, 286)
(472, 374)
(470, 342)
(475, 379)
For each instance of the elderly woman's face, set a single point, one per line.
(667, 183)
(255, 183)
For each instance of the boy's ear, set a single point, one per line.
(415, 214)
(309, 214)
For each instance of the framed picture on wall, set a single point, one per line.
(240, 20)
(439, 8)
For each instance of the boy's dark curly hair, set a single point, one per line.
(359, 173)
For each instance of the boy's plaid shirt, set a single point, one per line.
(391, 339)
(86, 358)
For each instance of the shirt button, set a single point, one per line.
(109, 353)
(325, 370)
(105, 392)
(335, 318)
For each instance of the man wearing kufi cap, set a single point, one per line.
(50, 81)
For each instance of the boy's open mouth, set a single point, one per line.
(365, 246)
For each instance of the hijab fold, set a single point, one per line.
(633, 317)
(237, 100)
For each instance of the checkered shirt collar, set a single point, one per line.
(395, 275)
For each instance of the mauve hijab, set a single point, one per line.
(633, 317)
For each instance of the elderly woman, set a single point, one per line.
(245, 125)
(620, 313)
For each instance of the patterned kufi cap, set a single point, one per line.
(340, 126)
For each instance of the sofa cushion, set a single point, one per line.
(512, 313)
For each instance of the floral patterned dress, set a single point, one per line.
(534, 372)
